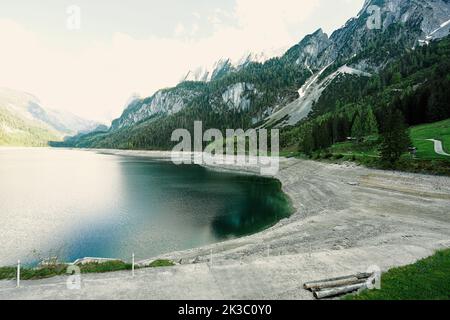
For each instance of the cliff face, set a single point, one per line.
(162, 103)
(238, 96)
(311, 48)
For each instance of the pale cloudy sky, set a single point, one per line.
(140, 46)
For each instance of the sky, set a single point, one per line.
(89, 57)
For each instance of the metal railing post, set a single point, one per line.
(132, 265)
(18, 274)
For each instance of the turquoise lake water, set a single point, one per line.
(73, 204)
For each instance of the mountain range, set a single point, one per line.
(286, 90)
(223, 67)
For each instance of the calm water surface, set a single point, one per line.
(74, 204)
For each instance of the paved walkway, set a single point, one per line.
(438, 148)
(277, 277)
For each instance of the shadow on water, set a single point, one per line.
(263, 206)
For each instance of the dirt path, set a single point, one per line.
(438, 148)
(347, 219)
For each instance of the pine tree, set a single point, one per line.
(395, 138)
(307, 141)
(370, 124)
(358, 127)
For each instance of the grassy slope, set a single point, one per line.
(367, 149)
(419, 135)
(427, 161)
(438, 131)
(428, 279)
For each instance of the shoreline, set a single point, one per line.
(346, 219)
(415, 187)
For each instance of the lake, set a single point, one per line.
(73, 204)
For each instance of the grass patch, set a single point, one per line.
(406, 163)
(9, 273)
(109, 266)
(428, 279)
(371, 160)
(366, 152)
(367, 148)
(161, 263)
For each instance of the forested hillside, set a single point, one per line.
(416, 84)
(237, 100)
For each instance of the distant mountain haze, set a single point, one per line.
(24, 121)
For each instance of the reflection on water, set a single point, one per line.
(75, 204)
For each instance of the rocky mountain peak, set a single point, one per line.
(421, 22)
(225, 65)
(310, 48)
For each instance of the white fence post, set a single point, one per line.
(132, 265)
(18, 274)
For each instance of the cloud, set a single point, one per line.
(96, 80)
(259, 13)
